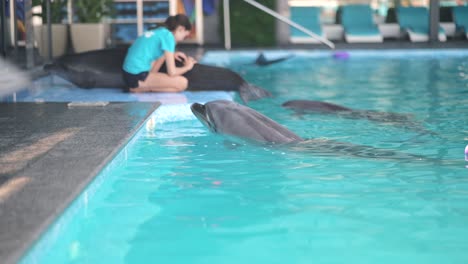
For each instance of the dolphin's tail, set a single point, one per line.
(53, 67)
(249, 92)
(82, 79)
(56, 68)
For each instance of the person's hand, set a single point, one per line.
(193, 59)
(180, 56)
(189, 62)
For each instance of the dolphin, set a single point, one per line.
(228, 117)
(399, 120)
(103, 69)
(263, 61)
(233, 119)
(92, 69)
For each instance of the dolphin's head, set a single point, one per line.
(201, 112)
(231, 118)
(221, 116)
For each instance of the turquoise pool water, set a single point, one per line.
(180, 194)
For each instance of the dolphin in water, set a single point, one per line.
(227, 117)
(232, 119)
(399, 120)
(103, 69)
(263, 61)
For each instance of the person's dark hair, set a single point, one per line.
(173, 22)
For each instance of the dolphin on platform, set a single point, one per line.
(233, 119)
(103, 69)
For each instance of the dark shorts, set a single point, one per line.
(131, 80)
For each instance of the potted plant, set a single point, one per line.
(90, 32)
(59, 29)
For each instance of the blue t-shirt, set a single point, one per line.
(147, 48)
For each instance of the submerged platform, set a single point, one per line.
(49, 152)
(52, 88)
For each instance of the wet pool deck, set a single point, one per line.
(49, 152)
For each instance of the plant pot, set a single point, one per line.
(59, 39)
(86, 37)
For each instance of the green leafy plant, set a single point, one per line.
(93, 11)
(249, 25)
(58, 10)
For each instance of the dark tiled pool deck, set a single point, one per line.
(49, 152)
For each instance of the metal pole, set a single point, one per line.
(139, 14)
(13, 25)
(29, 33)
(70, 11)
(282, 29)
(49, 31)
(227, 25)
(434, 17)
(291, 23)
(3, 29)
(199, 21)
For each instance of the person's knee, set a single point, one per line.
(182, 84)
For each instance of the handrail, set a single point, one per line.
(277, 16)
(291, 23)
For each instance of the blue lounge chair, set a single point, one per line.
(415, 22)
(460, 17)
(308, 17)
(358, 24)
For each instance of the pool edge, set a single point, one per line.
(13, 244)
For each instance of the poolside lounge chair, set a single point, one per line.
(308, 17)
(358, 24)
(415, 22)
(460, 17)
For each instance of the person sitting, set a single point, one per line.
(146, 56)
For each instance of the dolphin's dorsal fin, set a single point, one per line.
(261, 59)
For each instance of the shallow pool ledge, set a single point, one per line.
(48, 153)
